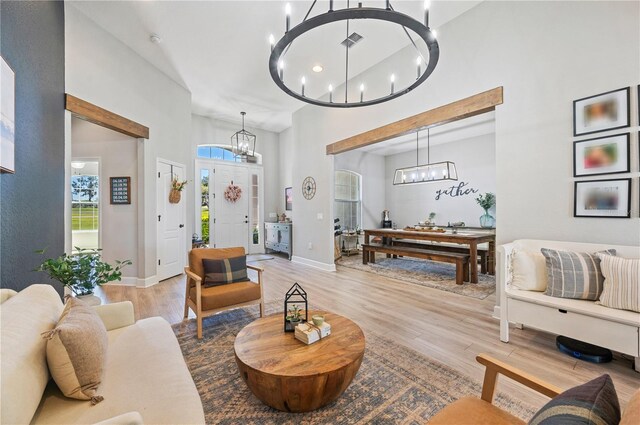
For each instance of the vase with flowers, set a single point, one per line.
(486, 202)
(176, 189)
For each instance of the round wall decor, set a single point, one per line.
(309, 188)
(232, 193)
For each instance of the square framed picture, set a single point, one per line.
(7, 118)
(288, 198)
(602, 112)
(602, 155)
(602, 198)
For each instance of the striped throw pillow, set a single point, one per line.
(595, 402)
(621, 282)
(574, 274)
(223, 271)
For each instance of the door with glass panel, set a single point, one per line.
(233, 218)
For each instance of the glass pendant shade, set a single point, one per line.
(427, 173)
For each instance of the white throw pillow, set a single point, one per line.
(529, 271)
(621, 282)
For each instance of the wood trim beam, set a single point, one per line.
(474, 105)
(97, 115)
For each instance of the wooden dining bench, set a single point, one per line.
(482, 252)
(459, 259)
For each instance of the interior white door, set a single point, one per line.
(231, 219)
(172, 247)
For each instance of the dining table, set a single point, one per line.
(470, 239)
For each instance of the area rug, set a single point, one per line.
(424, 273)
(395, 385)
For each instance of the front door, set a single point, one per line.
(231, 210)
(172, 248)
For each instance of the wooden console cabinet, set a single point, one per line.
(279, 237)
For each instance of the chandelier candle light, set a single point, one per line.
(421, 32)
(426, 173)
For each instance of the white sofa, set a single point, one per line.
(146, 379)
(618, 330)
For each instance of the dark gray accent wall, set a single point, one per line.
(32, 199)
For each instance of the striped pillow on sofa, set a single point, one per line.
(621, 282)
(595, 402)
(574, 274)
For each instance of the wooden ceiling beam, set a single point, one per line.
(100, 116)
(474, 105)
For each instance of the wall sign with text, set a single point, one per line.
(120, 190)
(455, 191)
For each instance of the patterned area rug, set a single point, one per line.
(424, 273)
(395, 385)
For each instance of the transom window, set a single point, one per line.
(222, 153)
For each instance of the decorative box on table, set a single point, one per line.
(310, 333)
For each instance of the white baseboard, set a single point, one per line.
(315, 264)
(496, 312)
(135, 281)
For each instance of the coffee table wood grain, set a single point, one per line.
(291, 376)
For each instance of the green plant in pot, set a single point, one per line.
(83, 271)
(294, 315)
(486, 202)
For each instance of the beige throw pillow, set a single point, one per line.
(621, 282)
(77, 351)
(529, 271)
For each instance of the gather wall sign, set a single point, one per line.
(456, 191)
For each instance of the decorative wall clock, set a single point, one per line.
(309, 188)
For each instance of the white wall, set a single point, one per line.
(205, 130)
(102, 70)
(118, 158)
(545, 54)
(475, 160)
(286, 173)
(372, 169)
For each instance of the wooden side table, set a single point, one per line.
(291, 376)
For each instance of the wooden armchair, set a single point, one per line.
(481, 411)
(208, 301)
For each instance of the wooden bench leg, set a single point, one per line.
(365, 255)
(460, 266)
(466, 269)
(483, 262)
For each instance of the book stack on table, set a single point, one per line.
(310, 333)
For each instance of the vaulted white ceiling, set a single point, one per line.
(219, 50)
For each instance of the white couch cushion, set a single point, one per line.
(145, 372)
(529, 271)
(23, 351)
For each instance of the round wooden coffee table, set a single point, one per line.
(291, 376)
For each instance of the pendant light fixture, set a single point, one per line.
(243, 144)
(417, 31)
(427, 173)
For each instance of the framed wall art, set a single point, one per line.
(288, 198)
(602, 198)
(7, 117)
(602, 155)
(120, 190)
(602, 112)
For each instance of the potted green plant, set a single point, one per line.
(486, 202)
(81, 272)
(431, 219)
(295, 316)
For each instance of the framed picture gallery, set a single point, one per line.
(602, 112)
(602, 198)
(602, 155)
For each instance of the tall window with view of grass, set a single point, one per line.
(85, 212)
(347, 204)
(204, 204)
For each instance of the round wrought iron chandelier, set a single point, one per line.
(387, 14)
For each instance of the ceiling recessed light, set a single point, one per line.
(317, 68)
(155, 39)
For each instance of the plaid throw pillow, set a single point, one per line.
(595, 402)
(227, 270)
(574, 274)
